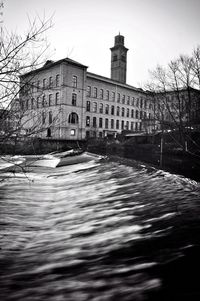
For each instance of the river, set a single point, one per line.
(99, 231)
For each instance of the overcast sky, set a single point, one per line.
(155, 31)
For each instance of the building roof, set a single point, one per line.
(182, 89)
(114, 82)
(50, 64)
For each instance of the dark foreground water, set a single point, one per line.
(99, 231)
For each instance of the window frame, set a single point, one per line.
(74, 99)
(74, 81)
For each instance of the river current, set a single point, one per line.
(99, 231)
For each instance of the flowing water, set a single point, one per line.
(99, 231)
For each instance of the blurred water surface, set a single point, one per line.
(98, 231)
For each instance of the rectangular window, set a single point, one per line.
(88, 106)
(132, 125)
(57, 80)
(22, 105)
(38, 85)
(107, 109)
(106, 123)
(43, 117)
(57, 98)
(95, 92)
(117, 124)
(94, 109)
(94, 122)
(74, 98)
(32, 87)
(88, 91)
(127, 113)
(38, 102)
(87, 134)
(107, 94)
(113, 96)
(74, 81)
(72, 132)
(112, 124)
(87, 121)
(50, 99)
(50, 82)
(44, 83)
(32, 103)
(43, 101)
(118, 97)
(101, 108)
(101, 93)
(100, 122)
(50, 118)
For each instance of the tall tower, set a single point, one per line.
(118, 60)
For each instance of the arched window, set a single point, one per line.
(73, 118)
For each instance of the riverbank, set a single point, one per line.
(172, 160)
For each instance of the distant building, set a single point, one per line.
(178, 108)
(4, 123)
(62, 100)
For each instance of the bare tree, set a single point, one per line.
(19, 54)
(196, 65)
(176, 99)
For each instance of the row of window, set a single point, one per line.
(118, 111)
(111, 95)
(45, 101)
(46, 83)
(41, 102)
(73, 118)
(50, 117)
(112, 124)
(49, 83)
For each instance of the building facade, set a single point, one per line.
(62, 100)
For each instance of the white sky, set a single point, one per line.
(155, 31)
